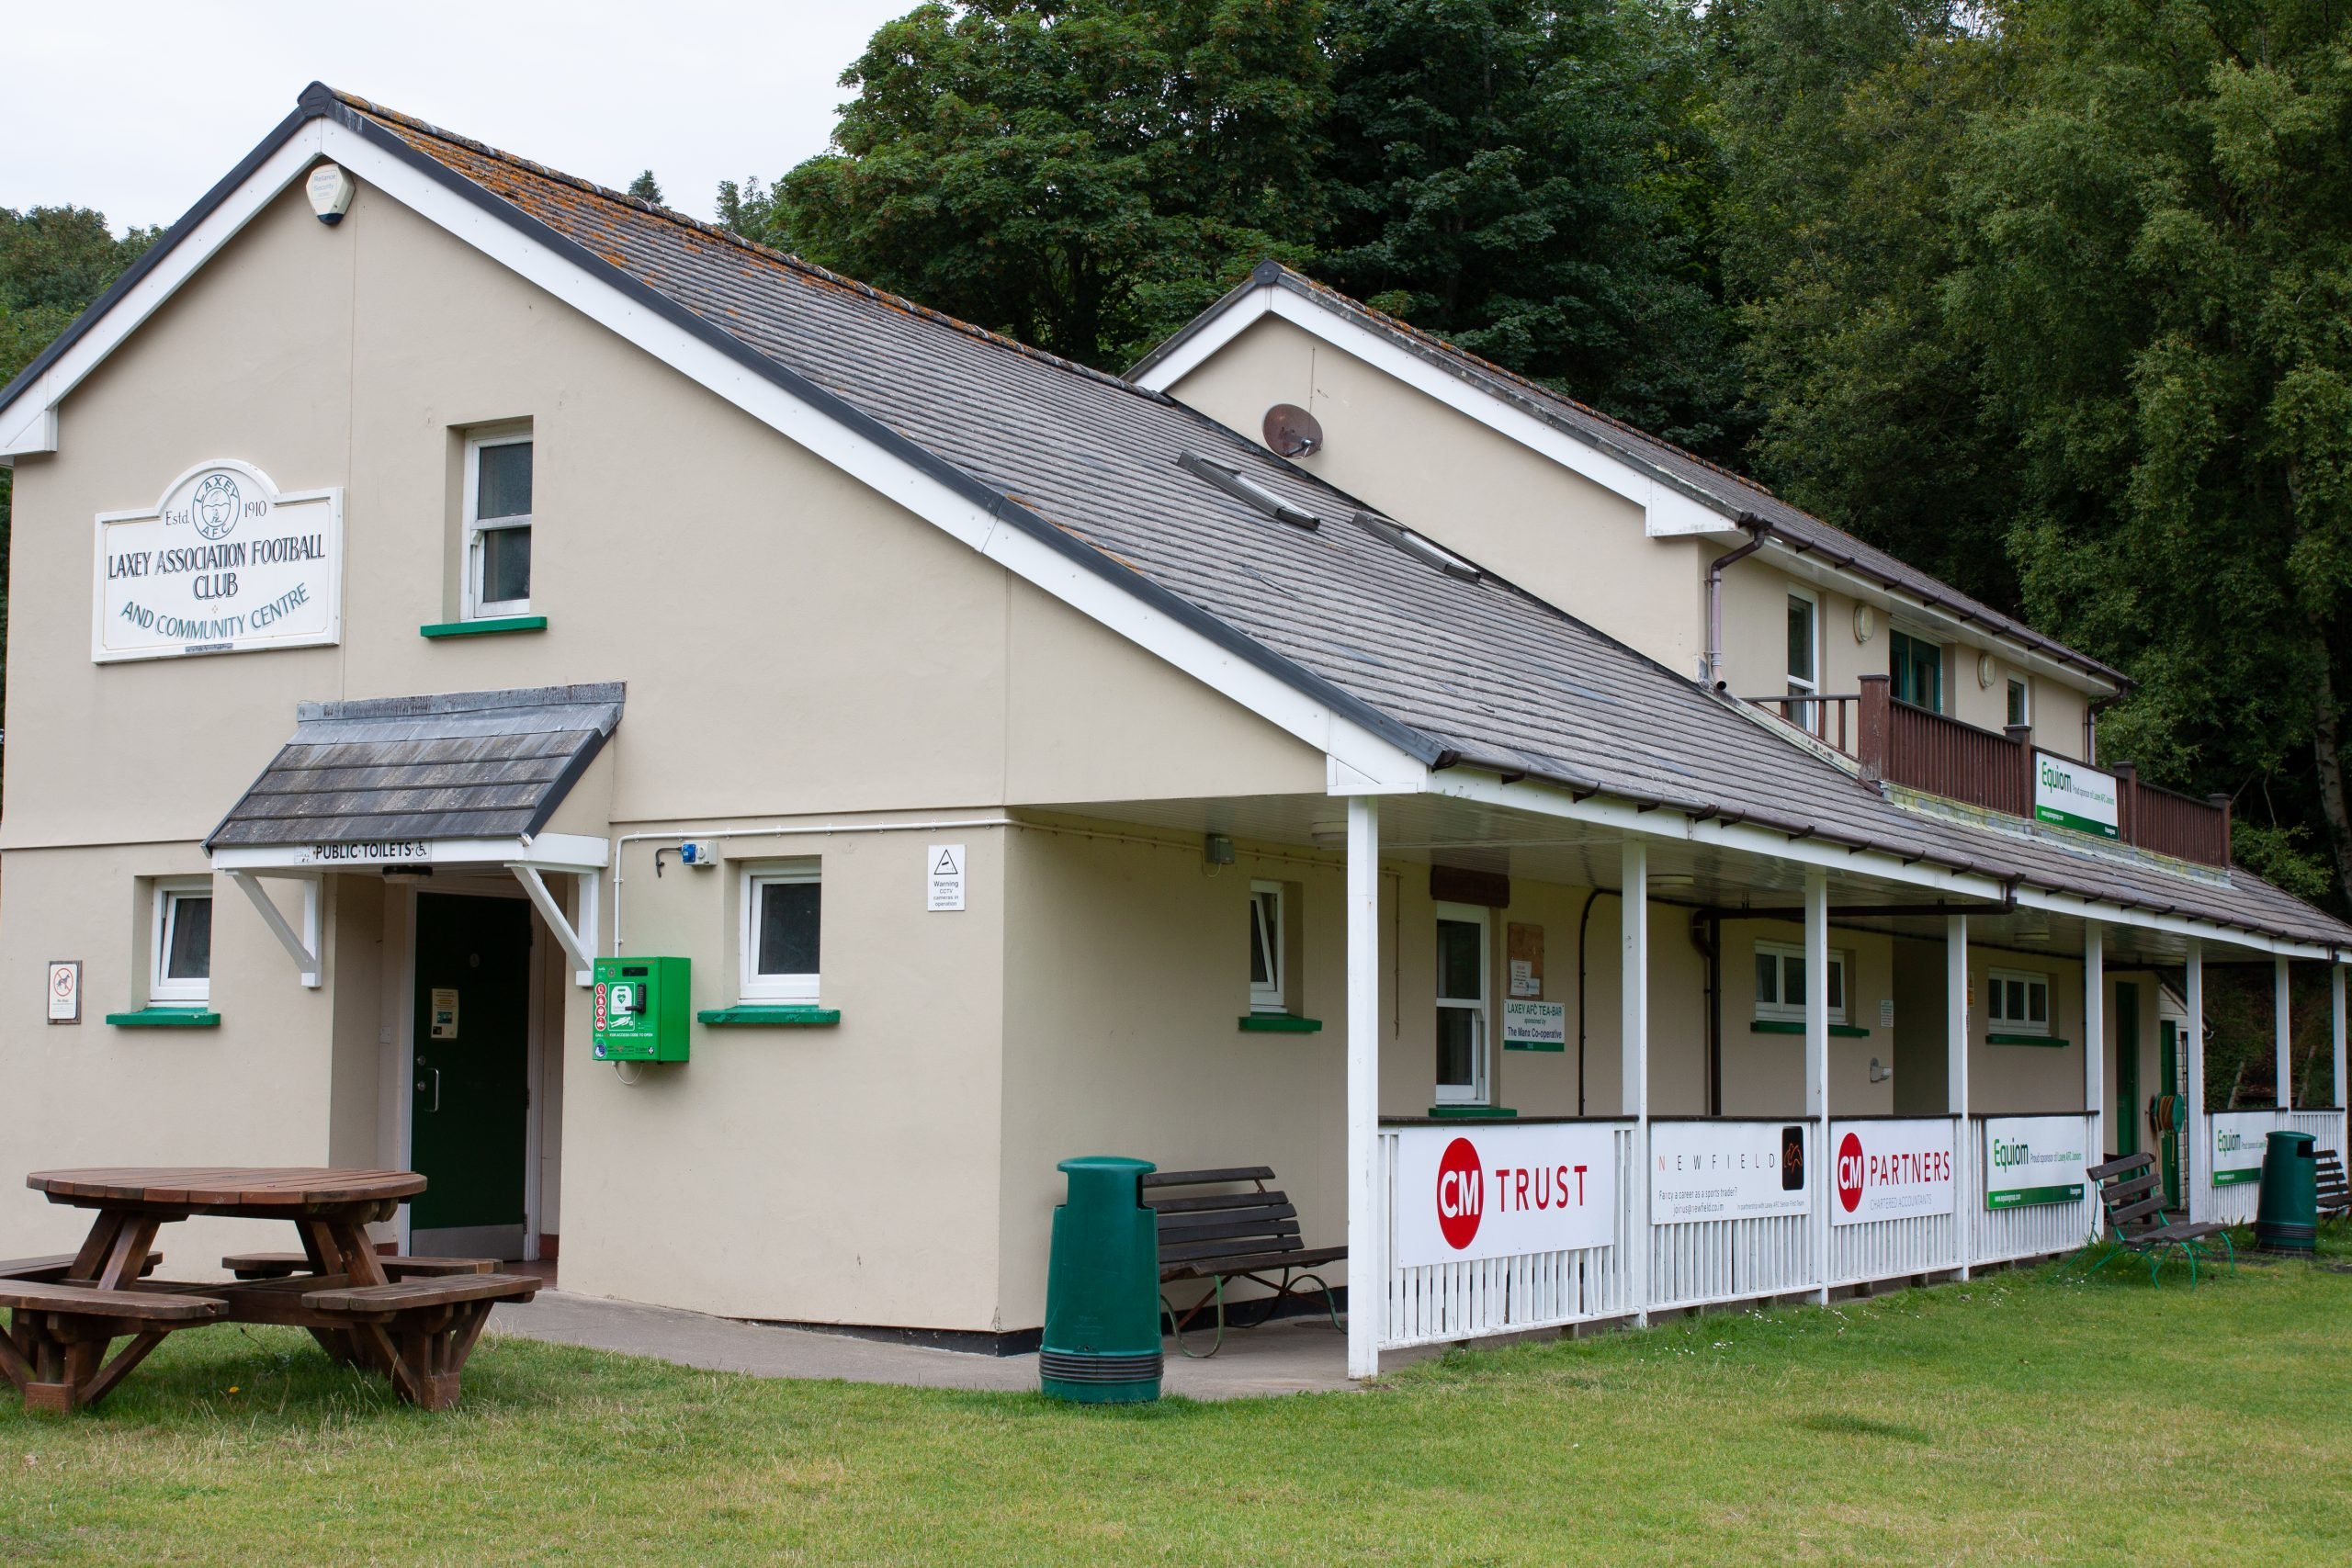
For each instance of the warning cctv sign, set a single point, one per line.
(944, 881)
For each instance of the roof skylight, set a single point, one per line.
(1414, 545)
(1246, 491)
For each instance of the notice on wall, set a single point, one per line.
(1890, 1170)
(1726, 1171)
(2239, 1139)
(1524, 951)
(1535, 1026)
(1496, 1192)
(223, 563)
(2035, 1159)
(943, 883)
(2068, 794)
(444, 1014)
(65, 991)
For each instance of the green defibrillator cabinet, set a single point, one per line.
(642, 1009)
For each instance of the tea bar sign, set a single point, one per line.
(224, 563)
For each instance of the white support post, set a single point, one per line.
(1956, 1074)
(2280, 1031)
(1367, 1208)
(2192, 1050)
(1816, 1062)
(2343, 1101)
(302, 948)
(1633, 1047)
(580, 950)
(2095, 1043)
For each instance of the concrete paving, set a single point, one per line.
(1297, 1356)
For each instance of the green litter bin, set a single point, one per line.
(1101, 1340)
(2286, 1219)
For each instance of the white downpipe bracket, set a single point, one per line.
(1817, 1063)
(302, 948)
(580, 951)
(1633, 881)
(1367, 1208)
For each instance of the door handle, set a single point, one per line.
(436, 1089)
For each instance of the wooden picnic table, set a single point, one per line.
(416, 1327)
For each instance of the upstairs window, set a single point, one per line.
(1917, 672)
(182, 943)
(1804, 662)
(1780, 980)
(498, 525)
(783, 920)
(1266, 993)
(2021, 702)
(2021, 1002)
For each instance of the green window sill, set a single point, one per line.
(773, 1017)
(1790, 1026)
(1279, 1024)
(1472, 1113)
(166, 1018)
(2050, 1040)
(487, 627)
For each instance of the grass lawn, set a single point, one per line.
(2019, 1418)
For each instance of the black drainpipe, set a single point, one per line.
(1583, 921)
(1707, 935)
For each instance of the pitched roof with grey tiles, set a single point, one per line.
(1711, 485)
(459, 765)
(1457, 672)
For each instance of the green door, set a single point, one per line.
(471, 1091)
(2127, 1109)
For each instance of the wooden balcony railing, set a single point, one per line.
(1919, 750)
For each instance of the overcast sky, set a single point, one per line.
(137, 106)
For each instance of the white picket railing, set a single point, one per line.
(1438, 1302)
(2029, 1230)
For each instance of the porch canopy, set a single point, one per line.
(388, 783)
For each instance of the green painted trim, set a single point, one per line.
(486, 628)
(166, 1018)
(2236, 1178)
(2019, 1197)
(2055, 1041)
(1279, 1024)
(781, 1017)
(1472, 1113)
(1557, 1045)
(1790, 1026)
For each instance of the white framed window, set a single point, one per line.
(1463, 1008)
(2018, 1002)
(1804, 658)
(1266, 937)
(498, 524)
(1780, 983)
(181, 942)
(783, 919)
(2020, 701)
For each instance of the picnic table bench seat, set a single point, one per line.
(2132, 1194)
(56, 1265)
(421, 1330)
(55, 1349)
(2334, 1198)
(1252, 1233)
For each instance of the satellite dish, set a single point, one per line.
(1291, 431)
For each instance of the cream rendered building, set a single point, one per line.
(1288, 801)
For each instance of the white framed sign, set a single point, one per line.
(1535, 1026)
(2034, 1159)
(2066, 794)
(1890, 1170)
(2239, 1139)
(65, 991)
(1468, 1190)
(224, 563)
(1727, 1170)
(944, 881)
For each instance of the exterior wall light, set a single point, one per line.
(330, 190)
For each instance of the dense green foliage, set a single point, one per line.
(53, 261)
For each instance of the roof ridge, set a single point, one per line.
(784, 259)
(1545, 388)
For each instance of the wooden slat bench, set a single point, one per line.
(2132, 1194)
(2334, 1198)
(1250, 1235)
(420, 1330)
(51, 1269)
(283, 1265)
(55, 1349)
